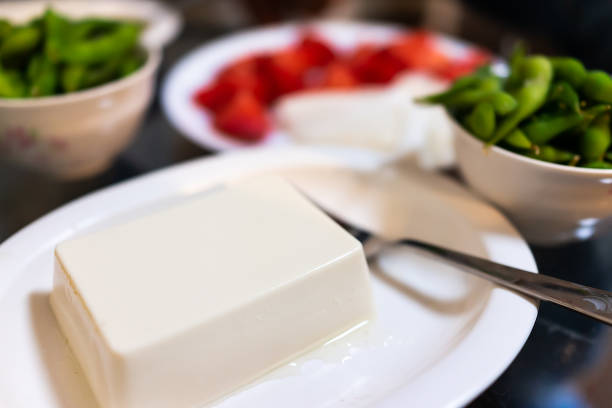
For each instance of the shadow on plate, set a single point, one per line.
(66, 378)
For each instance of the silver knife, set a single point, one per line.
(595, 303)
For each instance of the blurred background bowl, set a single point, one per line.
(549, 203)
(78, 134)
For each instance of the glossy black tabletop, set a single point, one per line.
(567, 360)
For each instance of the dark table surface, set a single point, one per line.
(567, 360)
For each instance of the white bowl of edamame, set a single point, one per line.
(549, 203)
(75, 82)
(537, 142)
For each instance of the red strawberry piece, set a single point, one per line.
(246, 75)
(243, 118)
(315, 51)
(373, 65)
(418, 50)
(338, 75)
(284, 71)
(215, 96)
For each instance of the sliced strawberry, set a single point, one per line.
(419, 51)
(243, 118)
(376, 65)
(284, 71)
(246, 75)
(315, 51)
(338, 75)
(215, 96)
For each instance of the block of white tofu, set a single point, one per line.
(180, 307)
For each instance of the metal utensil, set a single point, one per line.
(595, 303)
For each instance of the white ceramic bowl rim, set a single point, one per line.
(151, 64)
(528, 160)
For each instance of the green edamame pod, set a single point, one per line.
(518, 140)
(102, 48)
(130, 64)
(90, 28)
(596, 139)
(543, 128)
(21, 41)
(598, 164)
(102, 73)
(72, 77)
(597, 86)
(5, 29)
(481, 121)
(460, 84)
(565, 96)
(502, 102)
(56, 34)
(569, 69)
(516, 60)
(591, 113)
(42, 75)
(11, 84)
(554, 155)
(466, 98)
(535, 74)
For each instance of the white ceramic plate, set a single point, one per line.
(441, 337)
(200, 66)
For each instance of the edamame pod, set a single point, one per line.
(596, 139)
(469, 81)
(42, 76)
(466, 98)
(569, 69)
(597, 86)
(502, 102)
(591, 113)
(516, 60)
(565, 96)
(481, 121)
(551, 154)
(21, 41)
(518, 140)
(542, 129)
(536, 73)
(100, 74)
(131, 64)
(102, 48)
(599, 164)
(72, 77)
(56, 33)
(5, 29)
(90, 28)
(11, 84)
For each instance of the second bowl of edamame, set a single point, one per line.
(536, 143)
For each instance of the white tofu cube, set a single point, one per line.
(181, 307)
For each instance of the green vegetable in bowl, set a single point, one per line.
(481, 121)
(534, 74)
(569, 69)
(518, 140)
(53, 55)
(596, 138)
(547, 108)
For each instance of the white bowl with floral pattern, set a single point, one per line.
(79, 134)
